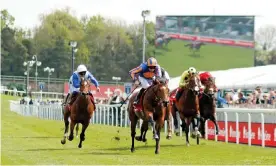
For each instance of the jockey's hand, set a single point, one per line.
(98, 89)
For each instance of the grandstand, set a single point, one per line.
(230, 27)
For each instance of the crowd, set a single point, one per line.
(250, 99)
(40, 102)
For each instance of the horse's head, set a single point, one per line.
(210, 86)
(84, 86)
(161, 92)
(194, 83)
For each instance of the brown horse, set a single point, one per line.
(154, 101)
(188, 106)
(81, 112)
(207, 106)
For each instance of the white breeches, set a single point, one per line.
(145, 82)
(167, 76)
(72, 89)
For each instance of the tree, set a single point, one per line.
(266, 37)
(52, 37)
(7, 20)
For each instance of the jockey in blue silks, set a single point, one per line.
(146, 73)
(74, 82)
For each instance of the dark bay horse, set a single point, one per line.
(154, 102)
(188, 106)
(208, 107)
(195, 47)
(81, 112)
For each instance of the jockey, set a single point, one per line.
(75, 80)
(184, 79)
(165, 75)
(146, 72)
(207, 79)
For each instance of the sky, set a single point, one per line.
(26, 12)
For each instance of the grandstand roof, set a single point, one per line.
(246, 78)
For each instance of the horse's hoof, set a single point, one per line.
(156, 152)
(144, 140)
(70, 138)
(187, 144)
(80, 146)
(132, 150)
(63, 142)
(168, 137)
(177, 134)
(138, 138)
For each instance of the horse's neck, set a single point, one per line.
(190, 98)
(150, 95)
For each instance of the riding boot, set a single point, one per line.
(73, 98)
(137, 99)
(178, 94)
(66, 99)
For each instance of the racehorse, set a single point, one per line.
(188, 106)
(81, 112)
(154, 101)
(208, 107)
(195, 47)
(162, 39)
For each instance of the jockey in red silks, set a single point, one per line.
(207, 79)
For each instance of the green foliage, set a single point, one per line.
(19, 87)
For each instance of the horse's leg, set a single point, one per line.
(77, 130)
(159, 125)
(187, 122)
(169, 123)
(72, 126)
(193, 127)
(82, 135)
(153, 124)
(175, 120)
(202, 127)
(134, 121)
(146, 127)
(66, 124)
(213, 119)
(139, 138)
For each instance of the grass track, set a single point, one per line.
(28, 140)
(212, 57)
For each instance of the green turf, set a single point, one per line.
(28, 140)
(212, 57)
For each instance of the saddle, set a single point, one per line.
(139, 106)
(68, 107)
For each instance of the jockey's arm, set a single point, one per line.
(158, 71)
(135, 71)
(182, 79)
(93, 79)
(76, 82)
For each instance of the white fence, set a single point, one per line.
(230, 121)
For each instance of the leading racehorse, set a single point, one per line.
(154, 101)
(188, 106)
(81, 112)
